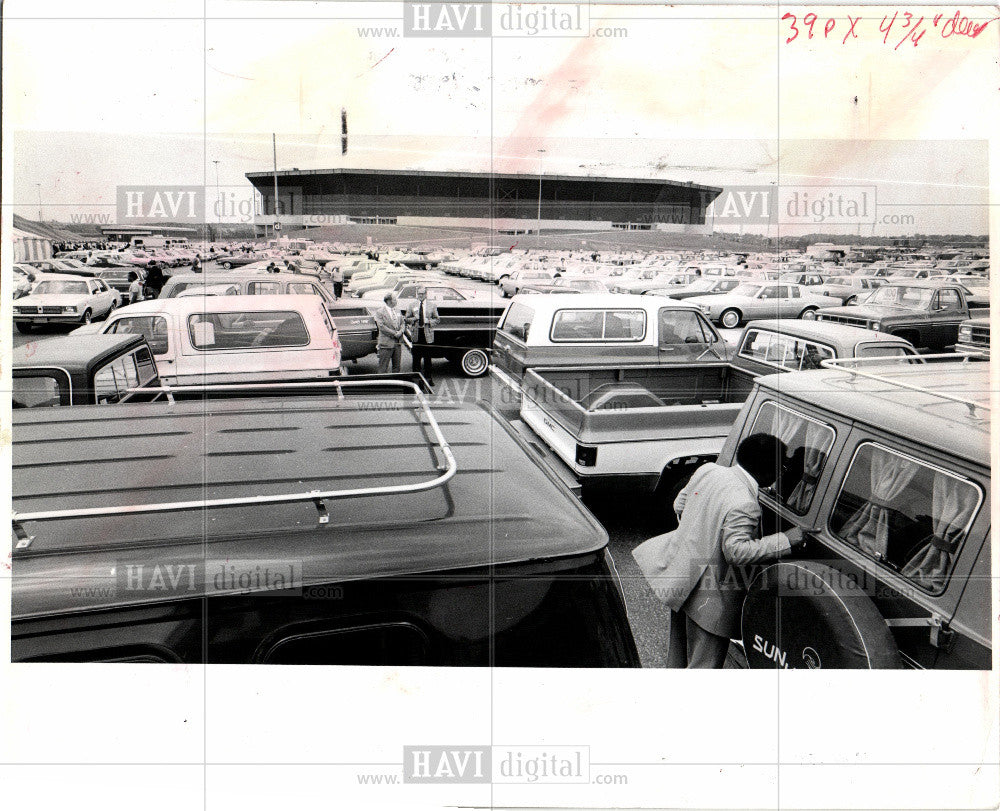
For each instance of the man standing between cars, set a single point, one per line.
(390, 332)
(154, 279)
(697, 569)
(134, 287)
(338, 281)
(422, 316)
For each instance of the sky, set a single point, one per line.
(713, 96)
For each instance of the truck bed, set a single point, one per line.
(608, 404)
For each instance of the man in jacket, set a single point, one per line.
(422, 317)
(390, 332)
(718, 535)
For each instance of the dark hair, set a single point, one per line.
(762, 455)
(132, 275)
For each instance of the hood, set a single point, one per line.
(728, 299)
(870, 311)
(53, 300)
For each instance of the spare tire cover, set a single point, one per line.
(804, 614)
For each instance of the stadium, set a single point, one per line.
(506, 203)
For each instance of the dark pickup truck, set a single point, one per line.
(82, 370)
(925, 313)
(359, 527)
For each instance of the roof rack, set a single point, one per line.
(448, 469)
(850, 365)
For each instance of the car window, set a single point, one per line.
(112, 381)
(442, 294)
(682, 327)
(263, 288)
(808, 444)
(152, 327)
(518, 320)
(62, 287)
(246, 330)
(876, 351)
(34, 391)
(768, 292)
(598, 325)
(792, 292)
(948, 300)
(784, 351)
(910, 516)
(303, 288)
(144, 365)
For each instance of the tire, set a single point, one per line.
(474, 363)
(24, 327)
(227, 265)
(808, 314)
(801, 614)
(503, 292)
(731, 318)
(88, 316)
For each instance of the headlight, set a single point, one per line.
(70, 309)
(964, 333)
(17, 311)
(876, 325)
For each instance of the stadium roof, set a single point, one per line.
(532, 176)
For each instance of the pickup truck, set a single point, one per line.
(648, 426)
(562, 329)
(355, 527)
(925, 313)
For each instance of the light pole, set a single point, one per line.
(218, 203)
(538, 225)
(39, 187)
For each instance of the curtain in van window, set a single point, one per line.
(869, 526)
(786, 425)
(952, 505)
(818, 440)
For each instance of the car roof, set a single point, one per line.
(930, 284)
(74, 353)
(921, 416)
(617, 301)
(824, 331)
(218, 304)
(487, 514)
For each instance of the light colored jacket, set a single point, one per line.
(390, 326)
(431, 320)
(708, 556)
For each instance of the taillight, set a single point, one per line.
(586, 456)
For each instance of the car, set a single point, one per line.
(974, 336)
(752, 300)
(705, 286)
(82, 370)
(510, 285)
(25, 277)
(849, 289)
(64, 300)
(234, 339)
(769, 346)
(887, 475)
(239, 260)
(925, 313)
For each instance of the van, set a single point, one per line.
(888, 477)
(359, 527)
(234, 339)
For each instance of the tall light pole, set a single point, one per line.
(538, 225)
(218, 203)
(39, 187)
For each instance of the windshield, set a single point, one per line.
(746, 290)
(73, 288)
(837, 280)
(901, 296)
(702, 285)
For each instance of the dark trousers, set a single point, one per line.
(422, 358)
(692, 646)
(338, 289)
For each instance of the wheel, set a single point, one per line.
(809, 314)
(88, 316)
(731, 319)
(503, 292)
(474, 363)
(227, 265)
(111, 309)
(804, 614)
(23, 327)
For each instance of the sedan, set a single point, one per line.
(564, 285)
(66, 301)
(749, 301)
(711, 286)
(849, 289)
